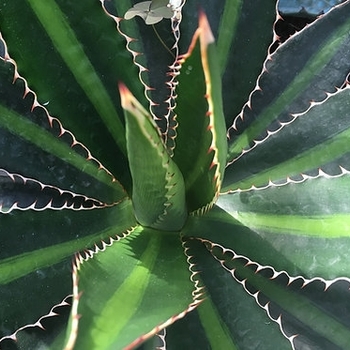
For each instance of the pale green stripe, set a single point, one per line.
(215, 329)
(326, 226)
(300, 307)
(315, 64)
(72, 52)
(311, 159)
(227, 30)
(126, 299)
(18, 125)
(26, 263)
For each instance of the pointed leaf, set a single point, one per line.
(158, 187)
(201, 130)
(37, 272)
(62, 38)
(323, 134)
(243, 32)
(285, 89)
(152, 290)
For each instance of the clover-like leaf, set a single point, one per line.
(151, 12)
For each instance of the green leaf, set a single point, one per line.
(321, 147)
(64, 33)
(275, 241)
(297, 305)
(283, 249)
(37, 272)
(201, 144)
(151, 290)
(285, 89)
(30, 132)
(298, 211)
(228, 318)
(158, 187)
(244, 33)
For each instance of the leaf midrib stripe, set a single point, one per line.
(68, 46)
(21, 265)
(216, 331)
(298, 306)
(24, 128)
(126, 298)
(296, 88)
(325, 226)
(311, 159)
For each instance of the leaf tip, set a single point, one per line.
(206, 34)
(124, 93)
(129, 102)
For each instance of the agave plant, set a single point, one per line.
(173, 176)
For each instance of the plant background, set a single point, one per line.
(296, 13)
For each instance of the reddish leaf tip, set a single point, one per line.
(206, 34)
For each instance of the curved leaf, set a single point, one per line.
(152, 289)
(243, 30)
(284, 89)
(64, 33)
(37, 272)
(321, 145)
(201, 146)
(158, 186)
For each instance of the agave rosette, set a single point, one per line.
(207, 196)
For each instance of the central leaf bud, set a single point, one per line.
(158, 189)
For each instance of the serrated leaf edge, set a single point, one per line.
(205, 36)
(51, 119)
(304, 177)
(80, 258)
(294, 117)
(270, 56)
(96, 203)
(197, 296)
(173, 72)
(327, 283)
(38, 323)
(289, 180)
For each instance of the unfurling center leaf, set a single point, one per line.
(158, 193)
(165, 188)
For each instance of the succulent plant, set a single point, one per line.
(173, 176)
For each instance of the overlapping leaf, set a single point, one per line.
(153, 288)
(158, 194)
(285, 90)
(284, 212)
(82, 60)
(201, 142)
